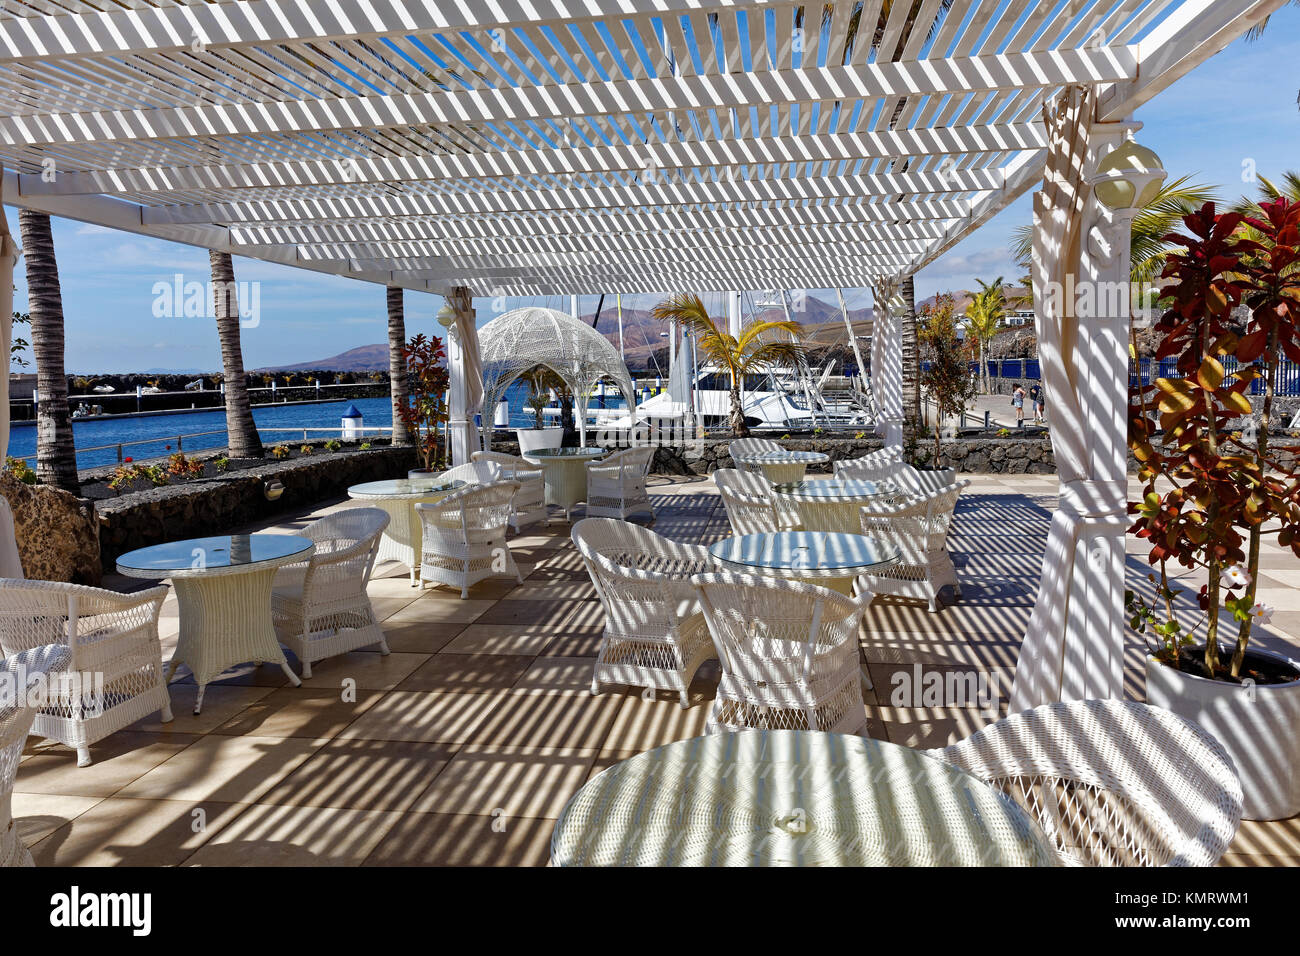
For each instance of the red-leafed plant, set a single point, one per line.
(426, 407)
(1211, 490)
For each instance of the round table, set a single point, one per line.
(223, 588)
(792, 798)
(402, 540)
(565, 474)
(782, 466)
(832, 504)
(831, 559)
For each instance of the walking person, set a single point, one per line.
(1018, 400)
(1036, 396)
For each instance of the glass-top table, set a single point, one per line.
(782, 466)
(827, 558)
(832, 504)
(402, 540)
(564, 473)
(404, 488)
(792, 798)
(223, 590)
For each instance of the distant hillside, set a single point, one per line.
(363, 358)
(641, 336)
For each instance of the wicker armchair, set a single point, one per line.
(918, 526)
(1112, 782)
(11, 565)
(320, 606)
(114, 674)
(751, 509)
(473, 473)
(529, 506)
(789, 654)
(616, 485)
(655, 635)
(23, 674)
(465, 536)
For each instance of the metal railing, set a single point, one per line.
(179, 440)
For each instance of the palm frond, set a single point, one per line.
(758, 330)
(772, 355)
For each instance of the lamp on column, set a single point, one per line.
(446, 315)
(1126, 180)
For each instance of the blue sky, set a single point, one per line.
(1238, 111)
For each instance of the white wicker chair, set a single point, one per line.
(751, 509)
(473, 473)
(865, 465)
(1112, 782)
(655, 634)
(108, 635)
(529, 505)
(743, 447)
(789, 654)
(320, 606)
(23, 674)
(918, 526)
(616, 486)
(465, 537)
(11, 565)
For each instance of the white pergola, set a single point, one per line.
(547, 147)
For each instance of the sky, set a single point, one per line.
(1236, 114)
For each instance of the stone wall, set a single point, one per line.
(57, 535)
(209, 506)
(966, 454)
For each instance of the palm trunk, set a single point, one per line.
(911, 355)
(397, 365)
(738, 427)
(240, 430)
(56, 453)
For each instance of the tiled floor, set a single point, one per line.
(462, 746)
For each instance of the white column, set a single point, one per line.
(8, 256)
(466, 379)
(1074, 642)
(887, 365)
(734, 323)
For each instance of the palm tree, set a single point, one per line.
(56, 453)
(984, 317)
(397, 364)
(240, 430)
(760, 346)
(1147, 248)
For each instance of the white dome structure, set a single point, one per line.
(522, 339)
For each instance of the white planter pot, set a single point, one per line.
(1259, 726)
(534, 439)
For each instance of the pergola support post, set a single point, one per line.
(1074, 642)
(466, 378)
(8, 258)
(887, 363)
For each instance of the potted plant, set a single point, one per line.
(425, 409)
(540, 382)
(1214, 489)
(945, 375)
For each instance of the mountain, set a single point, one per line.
(363, 358)
(641, 335)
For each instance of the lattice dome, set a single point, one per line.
(517, 341)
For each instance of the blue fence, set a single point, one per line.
(1288, 374)
(1028, 370)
